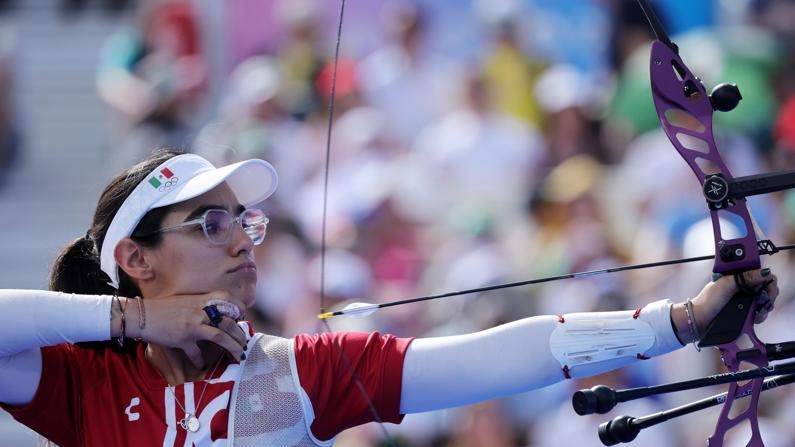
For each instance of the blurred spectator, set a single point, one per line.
(571, 233)
(547, 32)
(300, 58)
(360, 170)
(489, 160)
(483, 424)
(254, 122)
(152, 75)
(784, 132)
(570, 101)
(404, 79)
(511, 74)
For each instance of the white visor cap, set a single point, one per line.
(179, 179)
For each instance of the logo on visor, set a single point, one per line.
(164, 180)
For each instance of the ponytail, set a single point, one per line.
(76, 270)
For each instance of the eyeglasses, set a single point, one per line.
(218, 225)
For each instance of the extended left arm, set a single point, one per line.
(538, 351)
(531, 353)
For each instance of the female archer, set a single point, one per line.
(142, 338)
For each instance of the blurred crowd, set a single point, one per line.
(471, 143)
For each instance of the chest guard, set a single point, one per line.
(269, 408)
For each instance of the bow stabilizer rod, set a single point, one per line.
(718, 190)
(601, 399)
(625, 428)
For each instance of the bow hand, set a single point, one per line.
(722, 308)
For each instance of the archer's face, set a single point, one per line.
(186, 262)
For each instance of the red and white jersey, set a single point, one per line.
(89, 397)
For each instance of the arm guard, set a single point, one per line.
(590, 343)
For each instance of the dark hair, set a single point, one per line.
(76, 268)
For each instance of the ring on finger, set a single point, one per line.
(226, 308)
(213, 314)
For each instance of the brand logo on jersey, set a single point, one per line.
(131, 415)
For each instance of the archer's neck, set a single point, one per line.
(176, 368)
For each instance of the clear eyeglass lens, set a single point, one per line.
(218, 225)
(255, 224)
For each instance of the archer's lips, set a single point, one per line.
(244, 267)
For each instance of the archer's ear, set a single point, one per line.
(132, 259)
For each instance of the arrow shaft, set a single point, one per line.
(540, 281)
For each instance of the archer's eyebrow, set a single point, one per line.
(210, 206)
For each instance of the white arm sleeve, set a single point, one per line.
(458, 370)
(31, 319)
(36, 318)
(19, 377)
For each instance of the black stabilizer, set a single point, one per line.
(780, 351)
(620, 429)
(754, 185)
(725, 97)
(599, 399)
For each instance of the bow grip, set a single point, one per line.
(727, 326)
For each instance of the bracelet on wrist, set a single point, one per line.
(123, 331)
(141, 316)
(691, 323)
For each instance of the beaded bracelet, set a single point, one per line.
(691, 322)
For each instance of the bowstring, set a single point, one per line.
(345, 360)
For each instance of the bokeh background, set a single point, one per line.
(473, 142)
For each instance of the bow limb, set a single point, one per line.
(685, 111)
